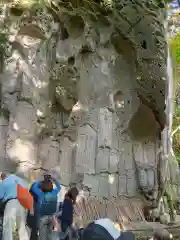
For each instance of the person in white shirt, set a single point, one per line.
(109, 226)
(101, 229)
(14, 212)
(104, 229)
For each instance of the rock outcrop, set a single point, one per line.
(85, 98)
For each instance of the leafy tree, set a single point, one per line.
(175, 50)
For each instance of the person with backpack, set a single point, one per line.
(39, 191)
(14, 211)
(106, 229)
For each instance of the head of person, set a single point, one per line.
(46, 185)
(72, 194)
(3, 176)
(161, 234)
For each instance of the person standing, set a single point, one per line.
(39, 189)
(14, 212)
(66, 217)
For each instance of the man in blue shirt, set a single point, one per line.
(14, 212)
(39, 189)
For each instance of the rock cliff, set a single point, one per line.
(83, 93)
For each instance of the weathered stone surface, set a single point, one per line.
(131, 183)
(3, 135)
(23, 151)
(114, 160)
(138, 152)
(88, 103)
(113, 186)
(68, 48)
(66, 149)
(102, 160)
(92, 182)
(115, 139)
(48, 154)
(25, 124)
(65, 164)
(21, 146)
(103, 185)
(105, 128)
(128, 156)
(122, 185)
(85, 154)
(150, 153)
(92, 118)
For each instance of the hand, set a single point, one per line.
(47, 177)
(32, 212)
(53, 178)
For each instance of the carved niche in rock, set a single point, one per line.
(146, 178)
(146, 167)
(144, 117)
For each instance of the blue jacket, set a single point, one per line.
(41, 195)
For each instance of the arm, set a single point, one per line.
(58, 214)
(56, 190)
(37, 190)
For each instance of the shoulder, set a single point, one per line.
(35, 184)
(21, 181)
(10, 179)
(67, 201)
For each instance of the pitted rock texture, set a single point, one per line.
(87, 102)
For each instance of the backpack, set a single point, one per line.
(24, 197)
(49, 205)
(32, 193)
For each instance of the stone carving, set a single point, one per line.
(102, 160)
(65, 164)
(105, 128)
(85, 150)
(88, 102)
(114, 161)
(146, 179)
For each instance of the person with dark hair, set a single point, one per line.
(12, 209)
(66, 217)
(103, 229)
(39, 191)
(162, 234)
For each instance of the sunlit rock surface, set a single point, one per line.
(88, 103)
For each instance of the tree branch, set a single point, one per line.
(178, 128)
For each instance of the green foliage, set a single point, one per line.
(175, 51)
(176, 137)
(3, 41)
(3, 49)
(175, 45)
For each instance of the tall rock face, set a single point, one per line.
(85, 98)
